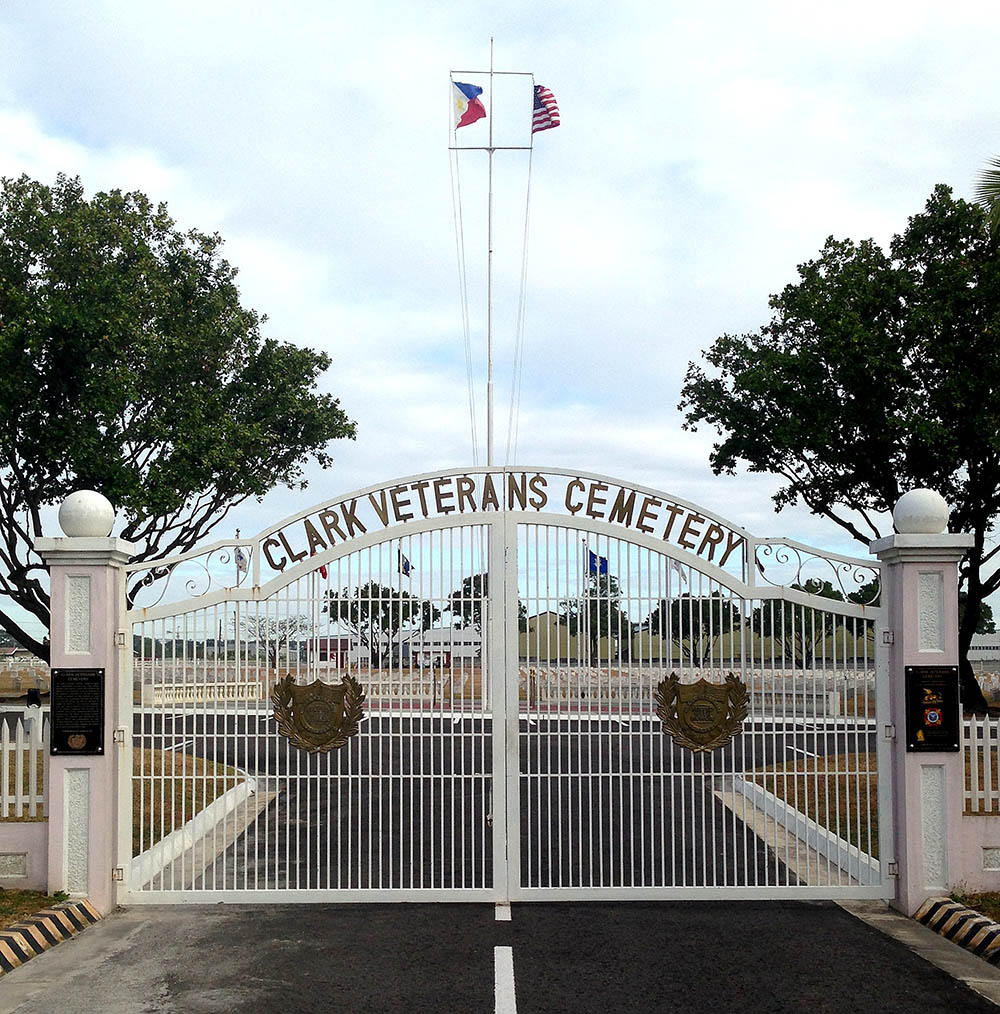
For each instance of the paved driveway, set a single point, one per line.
(691, 957)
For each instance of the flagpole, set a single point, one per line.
(489, 279)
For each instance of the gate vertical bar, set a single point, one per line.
(511, 724)
(495, 687)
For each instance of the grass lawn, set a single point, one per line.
(169, 789)
(16, 905)
(838, 792)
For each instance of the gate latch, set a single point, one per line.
(118, 873)
(489, 820)
(889, 732)
(888, 637)
(118, 736)
(892, 868)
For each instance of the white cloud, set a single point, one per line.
(704, 153)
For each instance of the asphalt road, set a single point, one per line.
(698, 957)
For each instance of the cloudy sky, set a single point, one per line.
(704, 151)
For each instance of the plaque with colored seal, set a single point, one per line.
(77, 701)
(933, 712)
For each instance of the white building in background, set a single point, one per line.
(985, 648)
(440, 646)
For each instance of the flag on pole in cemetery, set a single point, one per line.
(468, 107)
(404, 565)
(546, 112)
(597, 564)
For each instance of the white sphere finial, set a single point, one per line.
(921, 512)
(86, 514)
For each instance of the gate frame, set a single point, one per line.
(91, 627)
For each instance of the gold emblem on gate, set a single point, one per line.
(320, 716)
(701, 716)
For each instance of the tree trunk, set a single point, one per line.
(971, 692)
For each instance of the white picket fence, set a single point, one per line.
(24, 762)
(981, 743)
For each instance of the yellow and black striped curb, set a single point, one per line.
(965, 926)
(21, 942)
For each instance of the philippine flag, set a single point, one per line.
(468, 108)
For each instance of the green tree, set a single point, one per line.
(877, 374)
(467, 604)
(985, 624)
(275, 635)
(376, 614)
(597, 614)
(694, 624)
(987, 190)
(797, 632)
(128, 365)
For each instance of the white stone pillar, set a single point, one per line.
(87, 599)
(920, 588)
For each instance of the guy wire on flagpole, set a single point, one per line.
(463, 289)
(489, 278)
(490, 148)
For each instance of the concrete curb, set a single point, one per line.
(21, 942)
(964, 926)
(848, 858)
(154, 860)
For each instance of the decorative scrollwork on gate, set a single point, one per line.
(188, 576)
(781, 563)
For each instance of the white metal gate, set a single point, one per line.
(510, 640)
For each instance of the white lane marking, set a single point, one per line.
(797, 750)
(504, 1001)
(180, 745)
(503, 911)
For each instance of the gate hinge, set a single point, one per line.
(118, 736)
(889, 732)
(118, 873)
(892, 868)
(888, 637)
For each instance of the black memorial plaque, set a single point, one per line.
(933, 712)
(77, 702)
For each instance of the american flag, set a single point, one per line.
(546, 115)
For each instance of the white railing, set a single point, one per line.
(198, 693)
(980, 741)
(24, 762)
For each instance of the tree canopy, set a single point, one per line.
(877, 374)
(695, 624)
(467, 604)
(375, 614)
(128, 365)
(798, 633)
(597, 614)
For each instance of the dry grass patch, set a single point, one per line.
(838, 792)
(988, 903)
(170, 788)
(16, 904)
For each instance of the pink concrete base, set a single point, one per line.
(979, 833)
(30, 840)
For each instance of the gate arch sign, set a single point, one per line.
(514, 633)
